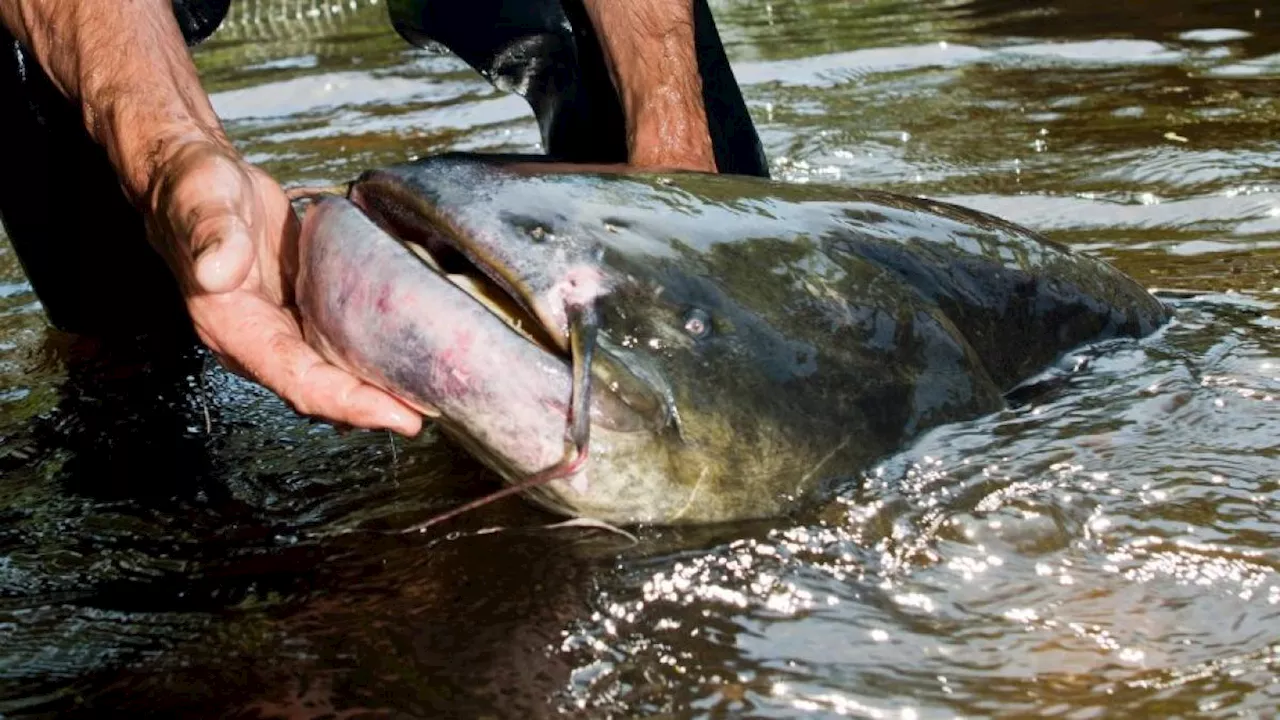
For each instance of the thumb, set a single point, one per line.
(222, 250)
(201, 196)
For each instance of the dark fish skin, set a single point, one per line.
(758, 340)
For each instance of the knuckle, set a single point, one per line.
(302, 405)
(278, 347)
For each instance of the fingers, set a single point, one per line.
(205, 203)
(263, 343)
(316, 388)
(223, 251)
(231, 234)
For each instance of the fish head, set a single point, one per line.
(699, 400)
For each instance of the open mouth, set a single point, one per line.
(410, 219)
(440, 247)
(488, 270)
(461, 370)
(501, 378)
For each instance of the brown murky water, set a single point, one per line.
(174, 541)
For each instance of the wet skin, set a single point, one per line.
(757, 340)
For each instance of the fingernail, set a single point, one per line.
(218, 271)
(211, 273)
(402, 422)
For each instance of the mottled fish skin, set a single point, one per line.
(758, 340)
(373, 308)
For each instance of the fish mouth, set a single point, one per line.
(388, 291)
(418, 226)
(517, 282)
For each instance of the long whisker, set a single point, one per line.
(562, 469)
(583, 329)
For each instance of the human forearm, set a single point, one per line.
(125, 64)
(649, 45)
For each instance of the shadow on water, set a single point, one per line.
(175, 542)
(369, 626)
(189, 574)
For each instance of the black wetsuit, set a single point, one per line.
(82, 244)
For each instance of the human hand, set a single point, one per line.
(230, 235)
(225, 227)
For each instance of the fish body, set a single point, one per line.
(755, 340)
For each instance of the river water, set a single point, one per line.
(175, 542)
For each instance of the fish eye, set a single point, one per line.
(697, 323)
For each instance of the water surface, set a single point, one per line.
(174, 541)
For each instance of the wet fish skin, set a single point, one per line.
(759, 340)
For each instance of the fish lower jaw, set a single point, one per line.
(622, 495)
(592, 492)
(320, 343)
